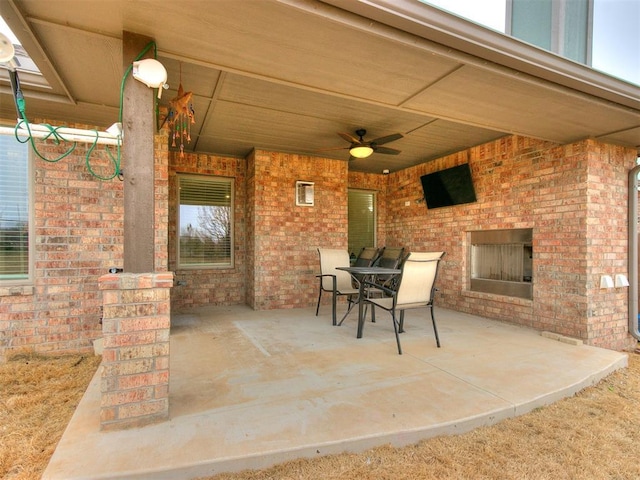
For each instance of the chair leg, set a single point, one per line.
(319, 297)
(395, 329)
(435, 329)
(366, 310)
(350, 304)
(401, 321)
(333, 308)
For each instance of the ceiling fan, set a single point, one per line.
(359, 148)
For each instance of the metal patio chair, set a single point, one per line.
(415, 289)
(338, 282)
(367, 256)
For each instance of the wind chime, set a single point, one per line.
(180, 117)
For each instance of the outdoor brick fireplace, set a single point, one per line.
(502, 262)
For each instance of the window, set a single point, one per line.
(15, 211)
(562, 27)
(362, 220)
(205, 222)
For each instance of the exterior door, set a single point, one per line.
(362, 220)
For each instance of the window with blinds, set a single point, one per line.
(15, 211)
(362, 220)
(205, 222)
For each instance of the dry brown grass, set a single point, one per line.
(593, 435)
(38, 396)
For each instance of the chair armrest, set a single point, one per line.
(334, 280)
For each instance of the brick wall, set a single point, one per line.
(78, 236)
(286, 236)
(607, 243)
(209, 286)
(574, 197)
(135, 360)
(276, 242)
(161, 207)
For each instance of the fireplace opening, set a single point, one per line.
(502, 262)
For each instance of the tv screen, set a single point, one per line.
(453, 186)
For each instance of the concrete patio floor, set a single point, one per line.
(251, 389)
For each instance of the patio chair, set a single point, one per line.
(338, 282)
(367, 256)
(391, 257)
(416, 288)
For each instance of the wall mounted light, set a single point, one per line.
(621, 280)
(150, 72)
(7, 52)
(606, 281)
(361, 151)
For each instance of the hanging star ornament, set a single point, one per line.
(180, 117)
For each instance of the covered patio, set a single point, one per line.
(253, 388)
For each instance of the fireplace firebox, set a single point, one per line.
(502, 262)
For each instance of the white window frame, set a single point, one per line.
(206, 265)
(28, 278)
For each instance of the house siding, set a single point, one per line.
(201, 287)
(78, 236)
(286, 236)
(574, 197)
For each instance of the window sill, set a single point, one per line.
(191, 268)
(498, 297)
(16, 290)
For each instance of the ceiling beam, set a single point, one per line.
(19, 25)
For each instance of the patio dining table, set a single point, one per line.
(360, 274)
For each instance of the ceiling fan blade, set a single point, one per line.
(349, 138)
(386, 150)
(387, 139)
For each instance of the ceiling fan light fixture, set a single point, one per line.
(361, 151)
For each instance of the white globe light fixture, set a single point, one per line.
(7, 51)
(150, 72)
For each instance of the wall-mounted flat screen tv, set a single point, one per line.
(453, 186)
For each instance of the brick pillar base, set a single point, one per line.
(135, 359)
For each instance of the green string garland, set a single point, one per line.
(57, 137)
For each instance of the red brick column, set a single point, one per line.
(135, 358)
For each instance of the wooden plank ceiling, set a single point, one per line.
(289, 75)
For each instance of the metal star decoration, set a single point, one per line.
(180, 117)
